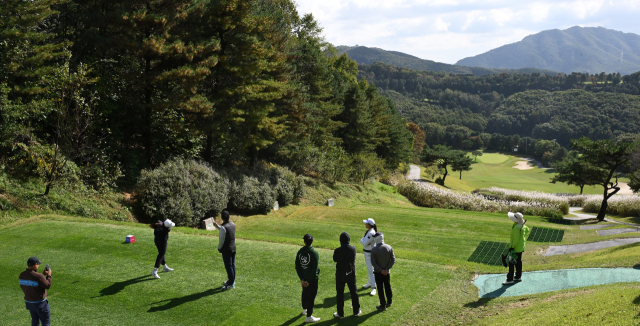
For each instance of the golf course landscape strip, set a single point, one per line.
(489, 253)
(572, 249)
(617, 231)
(539, 234)
(490, 285)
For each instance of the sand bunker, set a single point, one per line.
(624, 189)
(523, 165)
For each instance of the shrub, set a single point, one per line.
(250, 195)
(625, 205)
(559, 202)
(284, 184)
(186, 190)
(256, 190)
(426, 195)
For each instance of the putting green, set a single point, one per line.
(493, 158)
(490, 286)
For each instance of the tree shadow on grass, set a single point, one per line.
(172, 303)
(115, 288)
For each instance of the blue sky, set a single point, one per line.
(450, 30)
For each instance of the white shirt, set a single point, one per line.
(369, 241)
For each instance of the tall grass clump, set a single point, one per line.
(625, 205)
(185, 190)
(559, 202)
(427, 195)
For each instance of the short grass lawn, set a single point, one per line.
(99, 280)
(497, 170)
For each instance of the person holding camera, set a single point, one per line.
(34, 286)
(161, 238)
(227, 247)
(382, 259)
(307, 268)
(518, 241)
(345, 258)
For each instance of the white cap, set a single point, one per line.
(369, 221)
(516, 217)
(169, 224)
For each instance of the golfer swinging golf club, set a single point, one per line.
(368, 242)
(519, 233)
(161, 238)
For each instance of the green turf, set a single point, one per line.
(497, 170)
(98, 280)
(492, 158)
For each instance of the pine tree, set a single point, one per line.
(250, 77)
(27, 53)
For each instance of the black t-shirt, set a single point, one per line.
(161, 234)
(345, 258)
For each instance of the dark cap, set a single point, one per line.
(307, 237)
(33, 261)
(345, 238)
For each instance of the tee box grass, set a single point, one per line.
(99, 280)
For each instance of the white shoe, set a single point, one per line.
(167, 269)
(335, 314)
(311, 319)
(155, 274)
(304, 312)
(359, 313)
(366, 286)
(373, 292)
(507, 282)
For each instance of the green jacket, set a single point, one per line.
(307, 263)
(519, 236)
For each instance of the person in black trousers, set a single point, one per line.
(382, 259)
(161, 238)
(345, 258)
(227, 247)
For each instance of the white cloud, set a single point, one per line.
(449, 30)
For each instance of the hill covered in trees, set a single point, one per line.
(96, 93)
(577, 49)
(365, 55)
(452, 109)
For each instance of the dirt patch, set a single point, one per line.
(566, 295)
(523, 165)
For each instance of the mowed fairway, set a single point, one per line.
(98, 280)
(497, 170)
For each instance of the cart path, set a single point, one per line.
(490, 285)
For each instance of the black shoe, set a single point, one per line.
(225, 283)
(389, 304)
(381, 308)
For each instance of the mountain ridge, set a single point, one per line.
(576, 49)
(369, 55)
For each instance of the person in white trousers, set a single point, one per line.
(368, 242)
